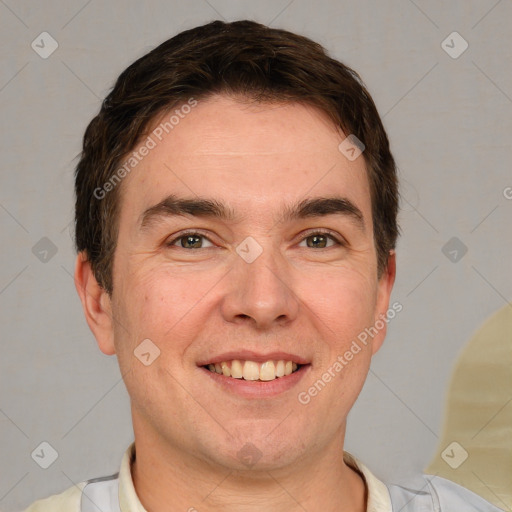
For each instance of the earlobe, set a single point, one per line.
(385, 286)
(96, 304)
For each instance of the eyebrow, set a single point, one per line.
(173, 206)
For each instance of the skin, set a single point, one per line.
(198, 302)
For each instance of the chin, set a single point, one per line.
(261, 451)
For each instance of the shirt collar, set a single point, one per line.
(377, 492)
(128, 499)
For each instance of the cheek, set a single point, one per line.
(152, 307)
(345, 304)
(345, 310)
(161, 306)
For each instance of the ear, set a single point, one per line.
(385, 286)
(96, 304)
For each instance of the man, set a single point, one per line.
(236, 225)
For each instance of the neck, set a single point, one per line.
(165, 478)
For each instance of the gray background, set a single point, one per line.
(450, 126)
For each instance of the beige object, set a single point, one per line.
(476, 446)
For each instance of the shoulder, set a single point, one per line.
(67, 501)
(436, 494)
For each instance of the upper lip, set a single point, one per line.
(257, 357)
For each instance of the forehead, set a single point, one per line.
(251, 156)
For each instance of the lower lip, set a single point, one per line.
(256, 388)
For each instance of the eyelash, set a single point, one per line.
(328, 233)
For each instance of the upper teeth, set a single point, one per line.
(250, 370)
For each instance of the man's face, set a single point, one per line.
(259, 286)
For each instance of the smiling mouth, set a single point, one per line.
(253, 371)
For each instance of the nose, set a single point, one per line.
(260, 293)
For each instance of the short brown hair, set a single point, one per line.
(239, 58)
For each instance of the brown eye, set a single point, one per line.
(319, 240)
(189, 241)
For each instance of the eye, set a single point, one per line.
(319, 239)
(194, 240)
(189, 240)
